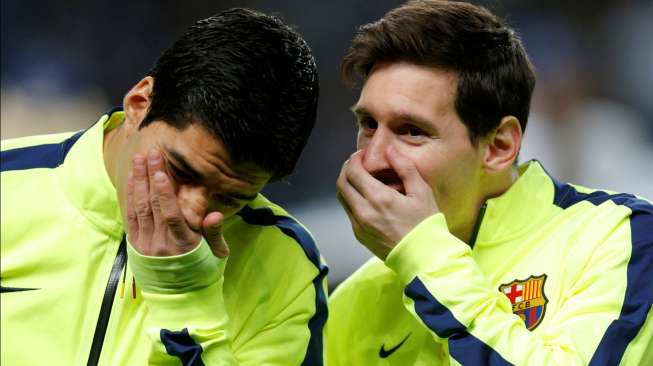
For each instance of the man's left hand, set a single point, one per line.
(380, 215)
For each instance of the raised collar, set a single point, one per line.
(85, 180)
(525, 205)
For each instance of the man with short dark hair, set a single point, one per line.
(478, 261)
(226, 109)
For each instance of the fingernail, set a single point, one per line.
(138, 160)
(139, 166)
(160, 177)
(153, 156)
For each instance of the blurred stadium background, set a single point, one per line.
(66, 62)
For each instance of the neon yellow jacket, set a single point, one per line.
(67, 296)
(557, 275)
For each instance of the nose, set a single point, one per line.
(375, 159)
(193, 202)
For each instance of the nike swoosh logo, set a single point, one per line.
(383, 353)
(16, 289)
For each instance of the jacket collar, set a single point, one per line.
(85, 181)
(527, 204)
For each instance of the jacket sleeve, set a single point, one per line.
(449, 294)
(187, 319)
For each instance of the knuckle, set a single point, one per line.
(382, 200)
(155, 204)
(142, 209)
(364, 218)
(131, 215)
(171, 219)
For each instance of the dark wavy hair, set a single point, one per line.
(247, 78)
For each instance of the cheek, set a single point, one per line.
(443, 173)
(361, 140)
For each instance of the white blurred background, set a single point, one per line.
(66, 62)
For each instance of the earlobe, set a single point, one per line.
(503, 145)
(137, 101)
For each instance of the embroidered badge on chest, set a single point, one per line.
(527, 299)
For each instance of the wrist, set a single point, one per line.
(181, 273)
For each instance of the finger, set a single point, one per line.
(345, 206)
(191, 212)
(154, 164)
(142, 198)
(408, 173)
(132, 222)
(170, 213)
(351, 199)
(361, 179)
(212, 230)
(355, 225)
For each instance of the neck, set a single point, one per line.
(110, 148)
(496, 188)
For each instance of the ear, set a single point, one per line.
(137, 102)
(502, 146)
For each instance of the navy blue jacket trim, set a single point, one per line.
(265, 217)
(638, 298)
(38, 156)
(463, 346)
(16, 289)
(182, 345)
(113, 109)
(41, 156)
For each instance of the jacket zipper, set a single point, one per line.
(107, 303)
(477, 225)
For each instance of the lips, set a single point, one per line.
(390, 179)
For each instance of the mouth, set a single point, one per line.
(390, 179)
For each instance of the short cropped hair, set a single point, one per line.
(248, 79)
(495, 76)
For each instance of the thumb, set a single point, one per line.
(407, 172)
(212, 230)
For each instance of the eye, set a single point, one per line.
(179, 175)
(368, 123)
(414, 131)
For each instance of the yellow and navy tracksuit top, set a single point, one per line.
(557, 275)
(67, 291)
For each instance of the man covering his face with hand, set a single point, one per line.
(478, 261)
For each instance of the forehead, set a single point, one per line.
(401, 88)
(197, 149)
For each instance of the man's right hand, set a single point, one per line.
(156, 224)
(380, 215)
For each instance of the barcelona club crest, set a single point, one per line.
(527, 299)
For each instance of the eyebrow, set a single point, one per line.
(185, 165)
(404, 116)
(356, 109)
